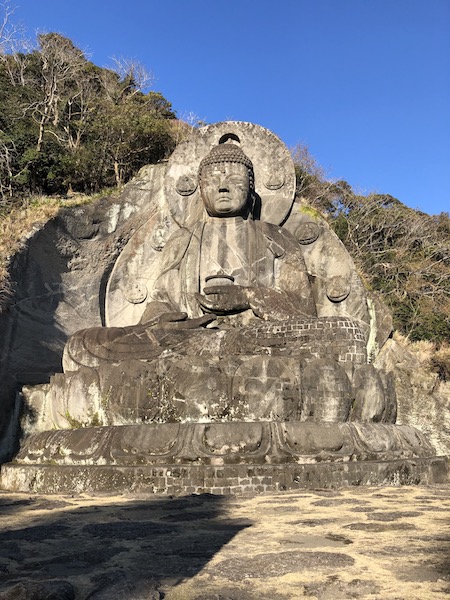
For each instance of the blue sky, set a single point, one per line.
(365, 84)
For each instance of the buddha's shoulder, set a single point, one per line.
(279, 241)
(175, 248)
(276, 233)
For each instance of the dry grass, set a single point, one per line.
(19, 223)
(432, 356)
(440, 362)
(423, 349)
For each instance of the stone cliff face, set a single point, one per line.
(58, 278)
(423, 399)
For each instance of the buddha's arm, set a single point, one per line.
(161, 301)
(165, 296)
(161, 313)
(290, 297)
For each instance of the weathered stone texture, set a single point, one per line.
(213, 322)
(60, 281)
(238, 479)
(222, 458)
(423, 399)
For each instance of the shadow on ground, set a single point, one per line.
(110, 551)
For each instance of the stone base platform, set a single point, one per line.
(229, 479)
(231, 457)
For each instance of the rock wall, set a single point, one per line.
(423, 399)
(59, 277)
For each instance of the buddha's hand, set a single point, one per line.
(179, 320)
(223, 299)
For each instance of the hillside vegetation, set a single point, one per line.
(67, 125)
(401, 253)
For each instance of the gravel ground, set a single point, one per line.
(373, 543)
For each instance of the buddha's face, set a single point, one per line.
(224, 189)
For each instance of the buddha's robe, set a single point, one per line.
(262, 257)
(259, 256)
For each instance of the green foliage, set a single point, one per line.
(340, 226)
(67, 124)
(405, 255)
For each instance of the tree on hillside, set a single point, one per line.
(132, 131)
(405, 254)
(62, 66)
(67, 123)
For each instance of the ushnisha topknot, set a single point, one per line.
(226, 153)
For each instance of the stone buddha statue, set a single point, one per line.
(229, 270)
(236, 352)
(235, 325)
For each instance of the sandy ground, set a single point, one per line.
(372, 543)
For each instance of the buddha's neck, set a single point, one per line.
(210, 219)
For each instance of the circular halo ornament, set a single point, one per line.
(135, 292)
(307, 232)
(158, 237)
(274, 181)
(267, 152)
(186, 185)
(338, 289)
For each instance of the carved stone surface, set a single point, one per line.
(238, 333)
(273, 168)
(223, 458)
(263, 383)
(336, 286)
(221, 443)
(60, 275)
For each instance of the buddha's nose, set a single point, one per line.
(223, 186)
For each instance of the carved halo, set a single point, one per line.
(267, 152)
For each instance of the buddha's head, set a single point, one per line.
(226, 181)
